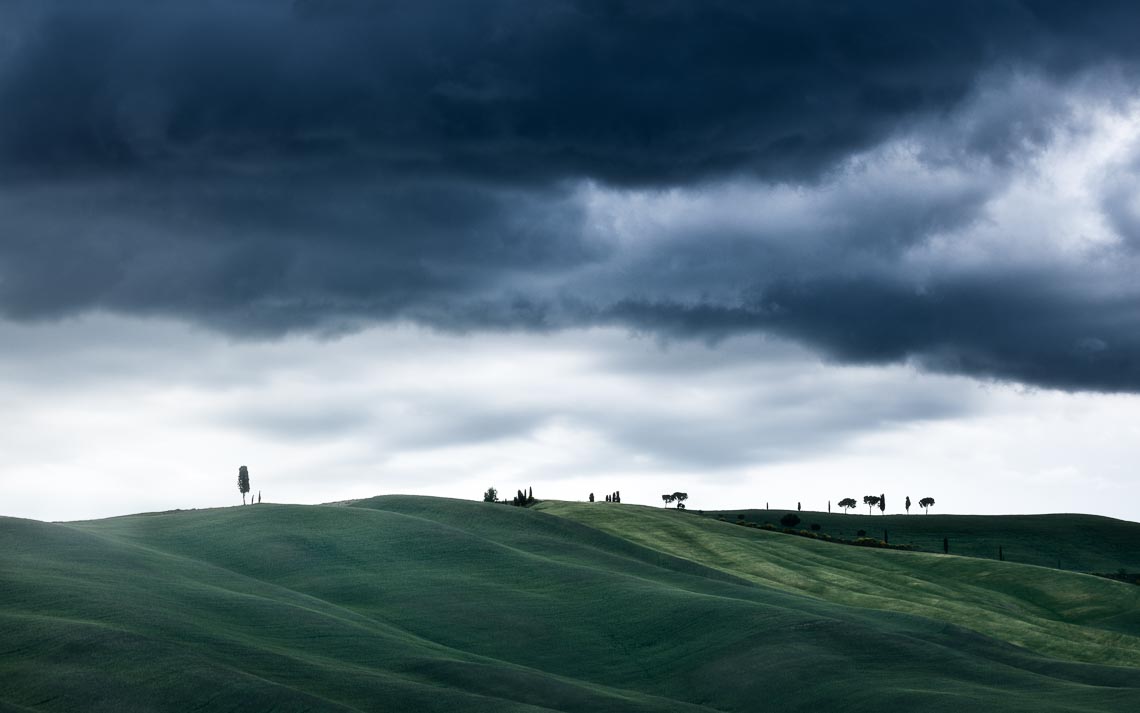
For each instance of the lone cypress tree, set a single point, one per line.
(243, 482)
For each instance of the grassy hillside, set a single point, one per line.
(1060, 614)
(1082, 543)
(402, 603)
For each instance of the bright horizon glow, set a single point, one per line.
(146, 415)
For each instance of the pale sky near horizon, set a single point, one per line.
(146, 415)
(759, 252)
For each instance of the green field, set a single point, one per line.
(1081, 543)
(407, 603)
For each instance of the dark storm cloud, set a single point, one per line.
(520, 90)
(1120, 202)
(1025, 327)
(266, 254)
(262, 166)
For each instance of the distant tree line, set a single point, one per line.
(880, 501)
(522, 498)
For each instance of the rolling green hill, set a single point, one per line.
(1082, 543)
(1061, 614)
(402, 603)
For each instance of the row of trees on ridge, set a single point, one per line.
(880, 501)
(522, 497)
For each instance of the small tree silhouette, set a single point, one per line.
(790, 520)
(491, 495)
(847, 504)
(882, 503)
(680, 498)
(908, 505)
(926, 504)
(668, 499)
(243, 482)
(870, 501)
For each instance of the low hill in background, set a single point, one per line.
(407, 603)
(1081, 543)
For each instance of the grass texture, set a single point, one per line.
(407, 603)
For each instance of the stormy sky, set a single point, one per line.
(758, 251)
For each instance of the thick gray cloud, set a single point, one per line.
(516, 90)
(265, 254)
(1019, 327)
(263, 166)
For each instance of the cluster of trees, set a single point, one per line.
(871, 501)
(880, 501)
(677, 497)
(614, 497)
(522, 497)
